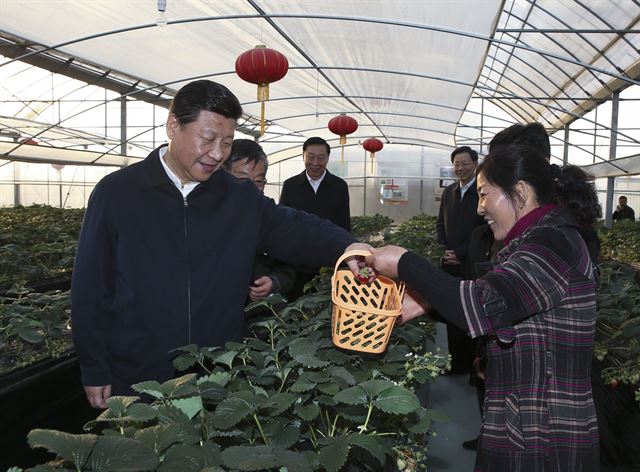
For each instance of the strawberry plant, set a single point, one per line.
(618, 325)
(419, 235)
(286, 399)
(33, 326)
(369, 228)
(37, 242)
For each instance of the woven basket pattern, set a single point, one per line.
(363, 314)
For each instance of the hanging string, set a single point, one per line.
(317, 92)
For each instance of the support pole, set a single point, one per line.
(613, 141)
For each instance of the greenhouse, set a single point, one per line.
(313, 365)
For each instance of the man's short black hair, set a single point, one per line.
(530, 134)
(204, 95)
(468, 150)
(316, 140)
(246, 149)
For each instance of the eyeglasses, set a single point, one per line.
(255, 181)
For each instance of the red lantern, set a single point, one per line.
(342, 125)
(372, 145)
(262, 66)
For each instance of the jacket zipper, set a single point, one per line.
(186, 206)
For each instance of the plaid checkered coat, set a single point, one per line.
(538, 308)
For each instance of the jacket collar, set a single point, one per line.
(154, 175)
(302, 178)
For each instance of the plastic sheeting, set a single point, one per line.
(406, 70)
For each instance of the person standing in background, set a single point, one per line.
(456, 220)
(537, 308)
(316, 191)
(167, 249)
(623, 211)
(249, 162)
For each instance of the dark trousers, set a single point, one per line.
(461, 349)
(461, 346)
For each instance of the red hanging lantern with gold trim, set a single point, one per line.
(262, 66)
(372, 145)
(343, 125)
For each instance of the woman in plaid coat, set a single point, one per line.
(537, 306)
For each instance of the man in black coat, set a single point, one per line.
(623, 211)
(456, 220)
(167, 249)
(316, 191)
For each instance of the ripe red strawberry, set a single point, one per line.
(366, 274)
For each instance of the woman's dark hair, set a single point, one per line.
(204, 95)
(506, 165)
(530, 134)
(246, 149)
(575, 191)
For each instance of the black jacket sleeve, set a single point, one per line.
(283, 276)
(440, 289)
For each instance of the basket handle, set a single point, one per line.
(355, 252)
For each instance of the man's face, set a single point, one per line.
(199, 149)
(464, 167)
(622, 201)
(315, 160)
(256, 171)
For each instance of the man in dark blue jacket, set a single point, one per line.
(165, 256)
(319, 192)
(456, 220)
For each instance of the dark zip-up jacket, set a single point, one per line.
(155, 271)
(330, 202)
(457, 218)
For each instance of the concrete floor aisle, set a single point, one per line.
(452, 395)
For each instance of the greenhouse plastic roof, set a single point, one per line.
(405, 70)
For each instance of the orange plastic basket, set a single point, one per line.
(363, 314)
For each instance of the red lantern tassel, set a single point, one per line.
(263, 96)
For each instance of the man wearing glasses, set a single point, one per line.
(248, 161)
(317, 191)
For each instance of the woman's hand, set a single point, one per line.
(385, 260)
(413, 306)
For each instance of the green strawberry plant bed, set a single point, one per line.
(370, 229)
(284, 400)
(37, 242)
(33, 326)
(419, 235)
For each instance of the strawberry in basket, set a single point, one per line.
(366, 274)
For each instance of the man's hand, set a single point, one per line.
(413, 306)
(352, 262)
(450, 258)
(261, 288)
(98, 396)
(385, 260)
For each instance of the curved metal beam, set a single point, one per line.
(438, 29)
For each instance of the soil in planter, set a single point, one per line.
(47, 395)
